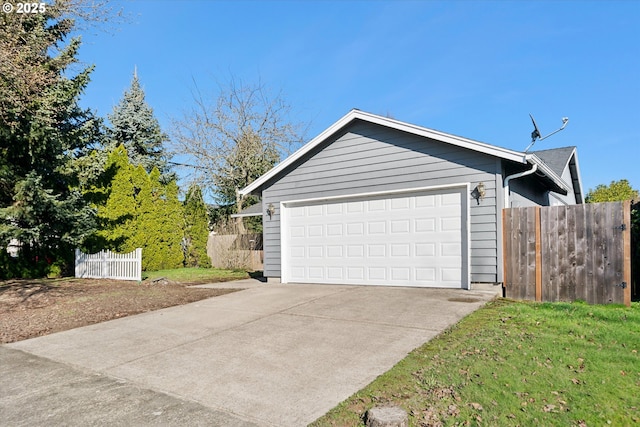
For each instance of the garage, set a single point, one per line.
(415, 238)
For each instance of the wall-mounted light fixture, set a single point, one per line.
(271, 210)
(479, 192)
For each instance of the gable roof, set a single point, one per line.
(558, 160)
(355, 114)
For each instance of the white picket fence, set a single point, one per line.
(109, 265)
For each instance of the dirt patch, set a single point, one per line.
(31, 308)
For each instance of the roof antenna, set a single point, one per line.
(537, 135)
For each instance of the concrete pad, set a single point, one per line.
(302, 363)
(270, 354)
(37, 391)
(432, 309)
(119, 341)
(273, 298)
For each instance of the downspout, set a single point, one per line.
(514, 176)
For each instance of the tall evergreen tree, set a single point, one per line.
(42, 131)
(196, 230)
(139, 212)
(117, 216)
(134, 126)
(159, 232)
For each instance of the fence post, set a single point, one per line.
(538, 255)
(139, 264)
(626, 249)
(77, 267)
(505, 252)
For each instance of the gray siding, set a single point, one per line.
(559, 199)
(527, 191)
(371, 158)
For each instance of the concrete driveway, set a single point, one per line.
(279, 355)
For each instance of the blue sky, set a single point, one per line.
(470, 68)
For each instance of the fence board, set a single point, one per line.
(236, 251)
(577, 252)
(109, 265)
(580, 253)
(519, 237)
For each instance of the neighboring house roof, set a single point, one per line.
(559, 159)
(499, 152)
(253, 210)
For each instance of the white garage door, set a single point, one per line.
(403, 239)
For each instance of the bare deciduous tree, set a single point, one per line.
(235, 137)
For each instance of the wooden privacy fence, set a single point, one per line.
(109, 265)
(568, 253)
(236, 251)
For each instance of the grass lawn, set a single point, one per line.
(196, 274)
(517, 363)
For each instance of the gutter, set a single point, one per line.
(515, 176)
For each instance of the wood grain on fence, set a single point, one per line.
(568, 253)
(236, 251)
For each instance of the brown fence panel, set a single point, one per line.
(520, 245)
(580, 252)
(236, 251)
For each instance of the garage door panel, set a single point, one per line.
(412, 239)
(377, 227)
(377, 273)
(425, 225)
(400, 226)
(355, 273)
(354, 207)
(376, 205)
(334, 251)
(355, 229)
(335, 230)
(377, 250)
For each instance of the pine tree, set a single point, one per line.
(42, 131)
(196, 232)
(134, 126)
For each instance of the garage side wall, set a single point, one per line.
(371, 158)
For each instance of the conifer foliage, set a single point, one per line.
(42, 131)
(140, 212)
(117, 216)
(196, 230)
(159, 220)
(134, 125)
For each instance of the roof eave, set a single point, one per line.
(542, 167)
(355, 114)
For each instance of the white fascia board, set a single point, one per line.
(459, 141)
(575, 156)
(298, 153)
(246, 215)
(481, 147)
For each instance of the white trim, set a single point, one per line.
(465, 229)
(352, 115)
(466, 251)
(578, 177)
(245, 215)
(376, 193)
(284, 243)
